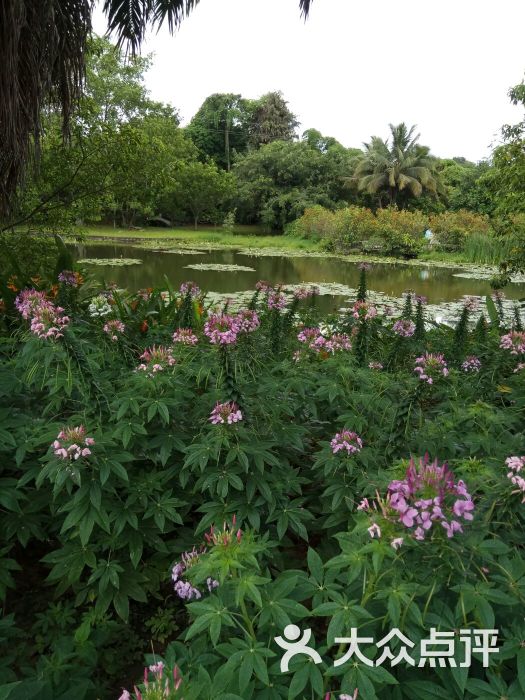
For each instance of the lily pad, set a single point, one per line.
(113, 262)
(220, 267)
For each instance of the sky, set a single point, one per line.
(354, 66)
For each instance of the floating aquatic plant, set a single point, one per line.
(113, 262)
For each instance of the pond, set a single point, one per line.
(438, 284)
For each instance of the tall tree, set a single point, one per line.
(202, 189)
(220, 127)
(508, 184)
(271, 120)
(397, 168)
(42, 61)
(123, 152)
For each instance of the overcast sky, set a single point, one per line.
(354, 66)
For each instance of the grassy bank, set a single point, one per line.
(243, 237)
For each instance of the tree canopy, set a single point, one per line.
(43, 63)
(397, 168)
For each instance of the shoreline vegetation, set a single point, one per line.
(254, 240)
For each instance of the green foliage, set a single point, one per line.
(95, 539)
(397, 170)
(388, 231)
(280, 180)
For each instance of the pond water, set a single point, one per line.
(437, 283)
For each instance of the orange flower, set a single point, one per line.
(144, 327)
(11, 284)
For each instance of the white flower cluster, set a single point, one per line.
(99, 306)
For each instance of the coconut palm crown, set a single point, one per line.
(396, 169)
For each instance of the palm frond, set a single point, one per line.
(42, 50)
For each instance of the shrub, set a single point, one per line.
(316, 222)
(250, 471)
(452, 228)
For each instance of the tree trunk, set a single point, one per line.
(195, 222)
(227, 143)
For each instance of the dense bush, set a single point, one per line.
(453, 228)
(388, 231)
(187, 485)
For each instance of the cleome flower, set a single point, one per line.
(248, 321)
(222, 329)
(363, 311)
(225, 413)
(114, 328)
(516, 464)
(191, 288)
(73, 443)
(99, 306)
(263, 286)
(70, 278)
(431, 367)
(305, 292)
(157, 358)
(472, 364)
(375, 365)
(29, 300)
(229, 535)
(404, 328)
(48, 321)
(276, 300)
(314, 339)
(427, 495)
(514, 342)
(185, 336)
(163, 684)
(346, 440)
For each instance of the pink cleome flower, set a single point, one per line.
(29, 300)
(363, 311)
(263, 286)
(346, 440)
(72, 443)
(185, 336)
(190, 288)
(225, 413)
(305, 292)
(316, 341)
(404, 328)
(157, 358)
(222, 329)
(276, 300)
(472, 364)
(72, 279)
(375, 365)
(248, 321)
(114, 328)
(431, 367)
(514, 342)
(516, 464)
(48, 322)
(429, 494)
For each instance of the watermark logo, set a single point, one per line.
(293, 647)
(439, 649)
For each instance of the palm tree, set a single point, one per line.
(396, 169)
(42, 63)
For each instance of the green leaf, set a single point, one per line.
(491, 310)
(315, 564)
(121, 603)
